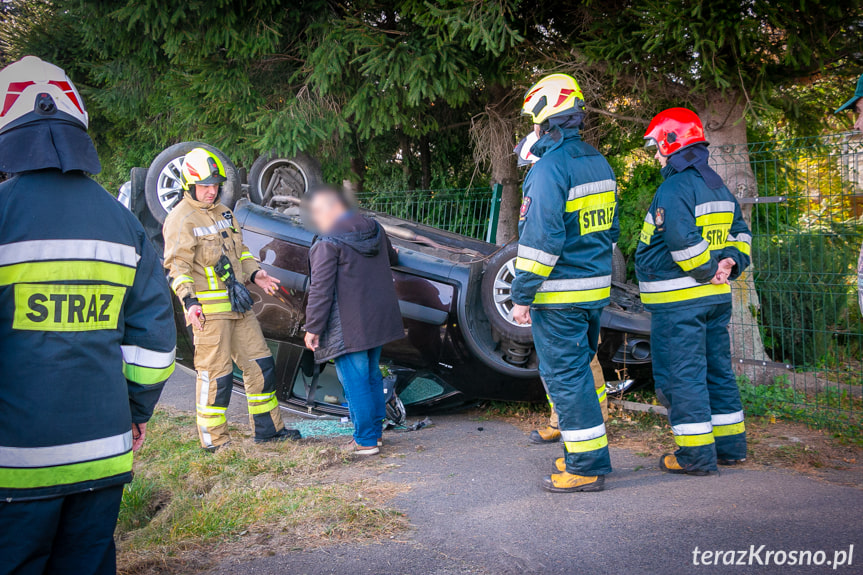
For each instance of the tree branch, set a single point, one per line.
(620, 117)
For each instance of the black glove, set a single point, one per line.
(240, 298)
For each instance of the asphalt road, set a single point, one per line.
(477, 507)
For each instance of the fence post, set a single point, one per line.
(494, 213)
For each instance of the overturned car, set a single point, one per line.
(460, 342)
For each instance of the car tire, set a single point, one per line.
(618, 266)
(497, 295)
(163, 191)
(277, 175)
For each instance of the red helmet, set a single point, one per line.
(674, 129)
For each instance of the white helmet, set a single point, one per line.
(32, 89)
(522, 150)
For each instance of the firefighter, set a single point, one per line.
(693, 242)
(86, 333)
(209, 265)
(551, 432)
(567, 227)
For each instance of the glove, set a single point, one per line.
(238, 295)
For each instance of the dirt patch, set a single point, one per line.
(773, 444)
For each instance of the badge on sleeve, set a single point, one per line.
(525, 206)
(660, 217)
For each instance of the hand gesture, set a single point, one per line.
(266, 282)
(521, 314)
(726, 266)
(313, 341)
(195, 317)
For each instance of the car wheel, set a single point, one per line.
(618, 266)
(163, 189)
(497, 295)
(273, 176)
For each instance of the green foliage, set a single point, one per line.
(636, 190)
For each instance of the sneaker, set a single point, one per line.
(282, 435)
(356, 449)
(548, 434)
(569, 483)
(380, 441)
(669, 463)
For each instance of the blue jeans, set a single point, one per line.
(363, 382)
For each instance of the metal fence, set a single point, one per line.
(464, 211)
(797, 331)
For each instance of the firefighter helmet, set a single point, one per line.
(674, 129)
(32, 89)
(554, 95)
(201, 166)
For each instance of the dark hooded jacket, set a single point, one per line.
(352, 300)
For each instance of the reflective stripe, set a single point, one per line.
(572, 296)
(692, 428)
(743, 243)
(536, 255)
(732, 429)
(32, 478)
(575, 284)
(40, 250)
(691, 252)
(54, 455)
(647, 231)
(216, 307)
(694, 440)
(260, 396)
(648, 219)
(590, 188)
(212, 282)
(181, 280)
(147, 357)
(210, 409)
(214, 229)
(67, 270)
(717, 219)
(583, 434)
(210, 415)
(533, 267)
(211, 295)
(264, 407)
(147, 375)
(678, 289)
(584, 446)
(601, 394)
(714, 207)
(246, 256)
(591, 201)
(726, 418)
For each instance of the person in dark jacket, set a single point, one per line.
(86, 333)
(694, 241)
(352, 309)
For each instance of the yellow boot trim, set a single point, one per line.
(549, 433)
(670, 463)
(569, 481)
(560, 464)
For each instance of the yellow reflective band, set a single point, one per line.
(732, 429)
(533, 267)
(181, 280)
(715, 219)
(694, 440)
(264, 407)
(216, 307)
(692, 263)
(584, 446)
(572, 296)
(33, 477)
(591, 201)
(685, 294)
(67, 270)
(260, 396)
(742, 247)
(147, 375)
(212, 282)
(246, 256)
(647, 231)
(210, 420)
(66, 307)
(212, 295)
(601, 395)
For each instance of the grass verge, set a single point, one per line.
(187, 508)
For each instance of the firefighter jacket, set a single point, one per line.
(567, 226)
(86, 335)
(692, 224)
(196, 236)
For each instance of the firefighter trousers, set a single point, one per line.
(598, 383)
(692, 367)
(566, 340)
(240, 340)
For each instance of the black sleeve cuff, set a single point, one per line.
(252, 277)
(189, 301)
